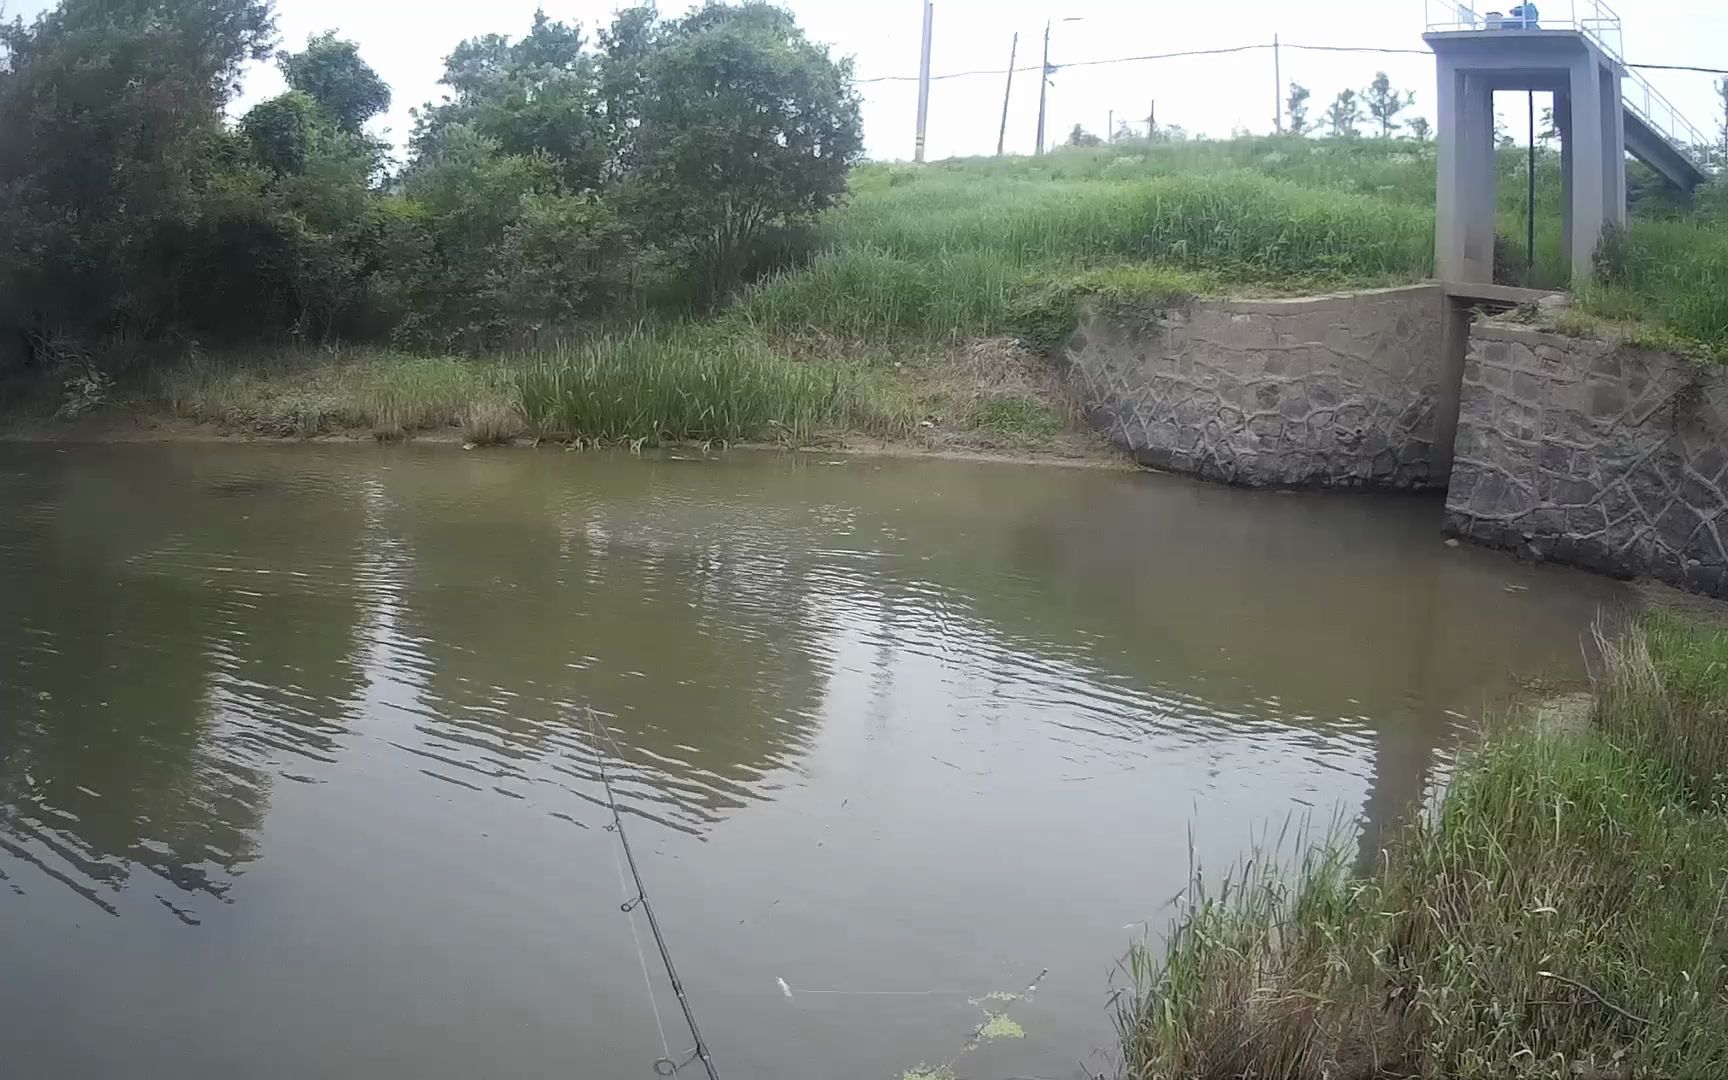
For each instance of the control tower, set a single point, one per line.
(1601, 111)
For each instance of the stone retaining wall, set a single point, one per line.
(1593, 454)
(1338, 390)
(1582, 452)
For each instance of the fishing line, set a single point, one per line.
(665, 1066)
(792, 992)
(642, 958)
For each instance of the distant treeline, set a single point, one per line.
(565, 175)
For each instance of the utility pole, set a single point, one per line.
(1043, 88)
(924, 80)
(1152, 121)
(1110, 128)
(1277, 86)
(1002, 133)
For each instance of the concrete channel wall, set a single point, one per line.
(1343, 390)
(1593, 454)
(1581, 452)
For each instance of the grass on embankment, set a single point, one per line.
(679, 384)
(1669, 275)
(651, 386)
(1563, 913)
(956, 251)
(922, 263)
(307, 393)
(695, 386)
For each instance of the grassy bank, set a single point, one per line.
(875, 330)
(1562, 913)
(648, 386)
(1672, 275)
(678, 384)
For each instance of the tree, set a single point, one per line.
(1385, 103)
(331, 73)
(110, 135)
(282, 131)
(293, 242)
(287, 239)
(486, 243)
(555, 175)
(1081, 137)
(1124, 132)
(626, 47)
(747, 127)
(1420, 128)
(1296, 105)
(1343, 115)
(541, 94)
(1548, 130)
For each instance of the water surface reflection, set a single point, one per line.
(294, 778)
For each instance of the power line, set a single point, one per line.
(1160, 56)
(950, 75)
(1360, 49)
(1680, 67)
(1077, 63)
(1222, 52)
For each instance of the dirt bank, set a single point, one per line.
(1082, 450)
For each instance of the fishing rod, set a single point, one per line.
(664, 1066)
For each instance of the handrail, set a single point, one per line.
(1604, 27)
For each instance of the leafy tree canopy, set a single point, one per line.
(746, 125)
(563, 175)
(330, 72)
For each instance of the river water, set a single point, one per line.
(294, 777)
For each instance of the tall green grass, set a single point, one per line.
(301, 392)
(1562, 913)
(1249, 226)
(1396, 170)
(862, 292)
(1666, 696)
(1673, 273)
(950, 253)
(686, 385)
(954, 249)
(678, 383)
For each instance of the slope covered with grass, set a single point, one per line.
(1563, 912)
(960, 248)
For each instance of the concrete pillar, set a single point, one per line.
(1478, 180)
(1464, 207)
(1449, 210)
(1563, 126)
(1588, 110)
(1590, 164)
(1613, 146)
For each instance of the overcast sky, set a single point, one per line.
(407, 40)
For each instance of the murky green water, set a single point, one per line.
(293, 781)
